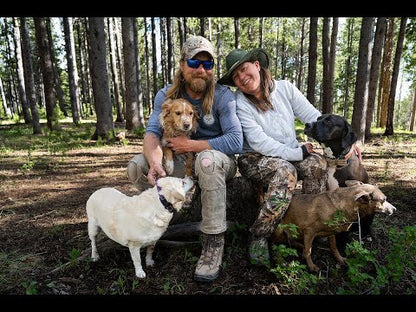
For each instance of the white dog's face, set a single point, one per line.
(174, 190)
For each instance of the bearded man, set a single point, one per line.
(216, 142)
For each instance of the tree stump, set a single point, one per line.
(242, 207)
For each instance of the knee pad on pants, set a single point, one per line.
(213, 169)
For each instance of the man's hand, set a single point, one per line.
(179, 144)
(156, 171)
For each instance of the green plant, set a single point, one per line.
(338, 219)
(119, 286)
(291, 273)
(171, 285)
(139, 132)
(29, 164)
(402, 255)
(235, 233)
(290, 228)
(30, 287)
(74, 255)
(189, 257)
(361, 264)
(366, 275)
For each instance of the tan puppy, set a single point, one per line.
(328, 213)
(178, 117)
(136, 221)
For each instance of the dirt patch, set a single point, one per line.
(43, 236)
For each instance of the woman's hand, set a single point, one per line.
(309, 147)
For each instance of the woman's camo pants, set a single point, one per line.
(278, 178)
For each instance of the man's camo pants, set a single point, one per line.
(278, 178)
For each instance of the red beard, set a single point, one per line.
(198, 85)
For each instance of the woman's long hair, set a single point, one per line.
(266, 86)
(177, 90)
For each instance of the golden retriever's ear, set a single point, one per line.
(195, 119)
(165, 111)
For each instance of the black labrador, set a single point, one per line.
(337, 138)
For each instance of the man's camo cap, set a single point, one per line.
(194, 45)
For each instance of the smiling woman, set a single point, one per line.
(272, 155)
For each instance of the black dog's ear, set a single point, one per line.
(349, 138)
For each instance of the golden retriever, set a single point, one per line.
(328, 213)
(137, 221)
(178, 117)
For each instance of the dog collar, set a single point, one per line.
(163, 200)
(340, 161)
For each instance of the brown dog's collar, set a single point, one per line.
(341, 161)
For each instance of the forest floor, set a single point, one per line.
(44, 246)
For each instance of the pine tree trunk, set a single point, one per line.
(99, 79)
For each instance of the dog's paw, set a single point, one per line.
(95, 257)
(140, 274)
(149, 262)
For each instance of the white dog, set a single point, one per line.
(137, 221)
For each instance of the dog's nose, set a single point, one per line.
(186, 126)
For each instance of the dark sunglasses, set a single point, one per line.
(195, 64)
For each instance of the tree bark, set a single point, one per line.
(325, 66)
(20, 73)
(99, 79)
(313, 57)
(361, 83)
(130, 73)
(72, 70)
(386, 71)
(350, 30)
(47, 72)
(374, 72)
(29, 78)
(399, 49)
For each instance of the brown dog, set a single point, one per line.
(178, 117)
(328, 213)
